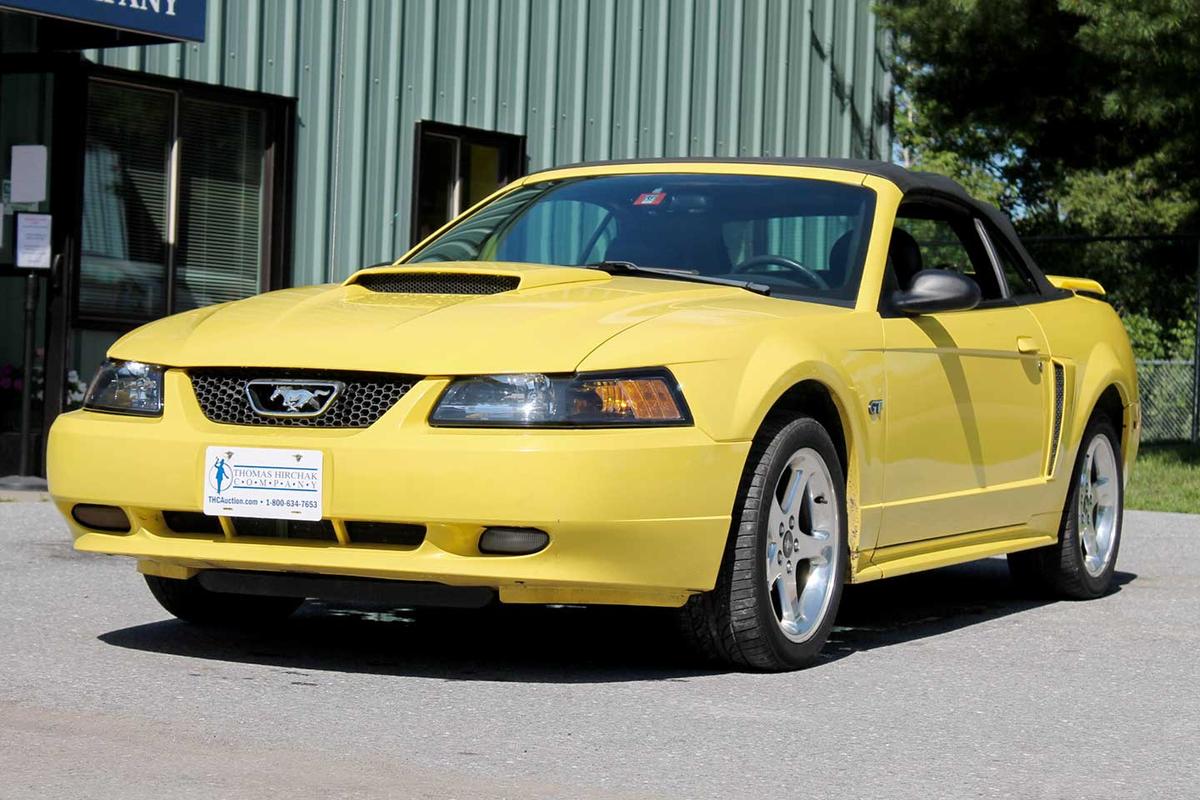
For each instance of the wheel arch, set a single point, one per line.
(1105, 386)
(820, 397)
(812, 398)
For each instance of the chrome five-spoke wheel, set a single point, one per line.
(801, 553)
(1082, 562)
(1098, 505)
(777, 594)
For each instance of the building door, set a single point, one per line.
(164, 195)
(455, 168)
(38, 98)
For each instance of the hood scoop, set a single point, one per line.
(465, 278)
(437, 282)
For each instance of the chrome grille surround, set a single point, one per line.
(367, 396)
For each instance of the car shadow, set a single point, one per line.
(572, 644)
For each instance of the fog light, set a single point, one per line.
(101, 518)
(512, 541)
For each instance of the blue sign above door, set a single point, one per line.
(170, 19)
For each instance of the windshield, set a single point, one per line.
(803, 238)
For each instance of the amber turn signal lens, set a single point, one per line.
(642, 398)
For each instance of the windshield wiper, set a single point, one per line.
(629, 268)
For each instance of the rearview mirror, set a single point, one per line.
(934, 290)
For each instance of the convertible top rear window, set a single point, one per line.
(804, 238)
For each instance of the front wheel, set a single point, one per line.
(781, 579)
(1081, 564)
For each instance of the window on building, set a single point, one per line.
(456, 167)
(176, 201)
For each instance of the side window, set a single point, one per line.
(941, 248)
(1020, 282)
(928, 237)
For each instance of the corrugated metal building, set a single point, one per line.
(581, 79)
(204, 150)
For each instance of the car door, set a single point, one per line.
(965, 393)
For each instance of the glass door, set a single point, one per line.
(36, 93)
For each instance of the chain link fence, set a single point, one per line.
(1167, 390)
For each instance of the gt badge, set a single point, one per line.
(875, 408)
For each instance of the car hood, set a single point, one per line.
(549, 323)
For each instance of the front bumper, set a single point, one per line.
(635, 517)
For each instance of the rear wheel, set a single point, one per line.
(781, 579)
(191, 602)
(1081, 564)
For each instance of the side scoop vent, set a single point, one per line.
(1056, 433)
(437, 282)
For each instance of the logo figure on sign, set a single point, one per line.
(219, 475)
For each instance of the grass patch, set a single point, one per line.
(1165, 478)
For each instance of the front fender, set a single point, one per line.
(734, 375)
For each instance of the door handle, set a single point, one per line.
(1027, 344)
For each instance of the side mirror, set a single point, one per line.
(934, 290)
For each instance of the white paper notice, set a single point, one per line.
(28, 174)
(263, 482)
(33, 241)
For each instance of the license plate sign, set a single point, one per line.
(263, 482)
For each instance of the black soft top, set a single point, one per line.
(908, 181)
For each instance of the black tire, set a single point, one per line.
(191, 602)
(736, 623)
(1058, 570)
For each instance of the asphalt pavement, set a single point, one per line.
(942, 685)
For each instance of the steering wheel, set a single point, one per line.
(783, 261)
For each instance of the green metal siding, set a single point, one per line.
(583, 79)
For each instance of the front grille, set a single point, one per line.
(1059, 392)
(191, 522)
(438, 283)
(393, 533)
(252, 527)
(221, 394)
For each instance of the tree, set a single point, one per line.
(1077, 117)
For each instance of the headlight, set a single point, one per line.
(126, 387)
(626, 399)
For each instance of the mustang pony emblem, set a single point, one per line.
(271, 398)
(298, 399)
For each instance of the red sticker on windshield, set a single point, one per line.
(651, 198)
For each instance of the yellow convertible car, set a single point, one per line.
(726, 387)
